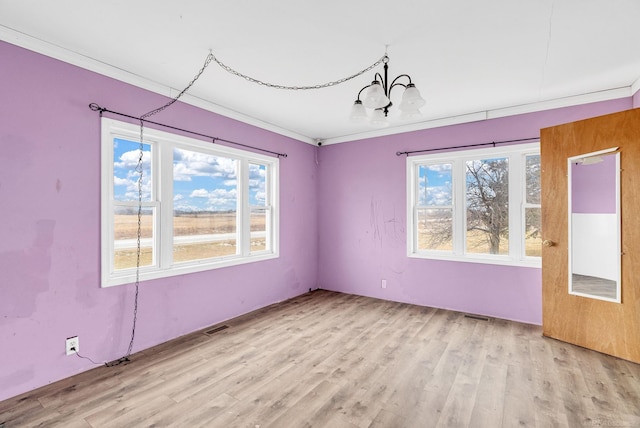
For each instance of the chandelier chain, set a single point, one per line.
(207, 61)
(140, 171)
(297, 88)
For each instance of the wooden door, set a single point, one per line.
(611, 328)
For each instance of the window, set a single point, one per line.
(203, 206)
(531, 203)
(478, 205)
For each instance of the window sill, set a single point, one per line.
(533, 262)
(148, 273)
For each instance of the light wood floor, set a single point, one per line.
(594, 285)
(326, 359)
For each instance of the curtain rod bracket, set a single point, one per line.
(96, 107)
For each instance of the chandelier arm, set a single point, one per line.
(378, 78)
(402, 75)
(387, 85)
(393, 85)
(366, 87)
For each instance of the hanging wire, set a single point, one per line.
(177, 97)
(140, 171)
(140, 165)
(87, 358)
(297, 88)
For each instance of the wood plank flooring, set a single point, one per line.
(327, 359)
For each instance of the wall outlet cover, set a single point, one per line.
(72, 345)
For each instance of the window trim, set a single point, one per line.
(162, 146)
(517, 191)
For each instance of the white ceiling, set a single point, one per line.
(470, 59)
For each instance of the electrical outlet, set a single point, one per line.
(73, 345)
(384, 283)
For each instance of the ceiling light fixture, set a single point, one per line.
(377, 98)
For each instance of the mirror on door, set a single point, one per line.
(594, 225)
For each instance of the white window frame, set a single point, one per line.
(517, 194)
(162, 147)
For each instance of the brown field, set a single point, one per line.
(477, 244)
(126, 227)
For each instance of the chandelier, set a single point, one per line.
(377, 98)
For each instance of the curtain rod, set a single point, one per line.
(96, 107)
(493, 143)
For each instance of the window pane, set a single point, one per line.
(532, 234)
(126, 155)
(258, 201)
(435, 229)
(533, 179)
(203, 235)
(125, 230)
(487, 199)
(257, 185)
(434, 185)
(258, 229)
(204, 206)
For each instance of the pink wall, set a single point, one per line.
(362, 222)
(636, 100)
(50, 229)
(593, 187)
(342, 226)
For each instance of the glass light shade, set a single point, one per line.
(374, 96)
(411, 99)
(378, 119)
(358, 112)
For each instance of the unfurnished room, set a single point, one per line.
(331, 214)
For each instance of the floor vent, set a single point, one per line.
(476, 317)
(216, 329)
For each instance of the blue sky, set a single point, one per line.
(435, 184)
(201, 182)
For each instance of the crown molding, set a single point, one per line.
(418, 126)
(592, 97)
(74, 58)
(635, 87)
(573, 100)
(57, 52)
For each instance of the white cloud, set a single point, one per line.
(223, 193)
(199, 193)
(260, 197)
(439, 167)
(436, 195)
(118, 181)
(186, 207)
(439, 196)
(187, 164)
(130, 184)
(129, 160)
(257, 171)
(216, 199)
